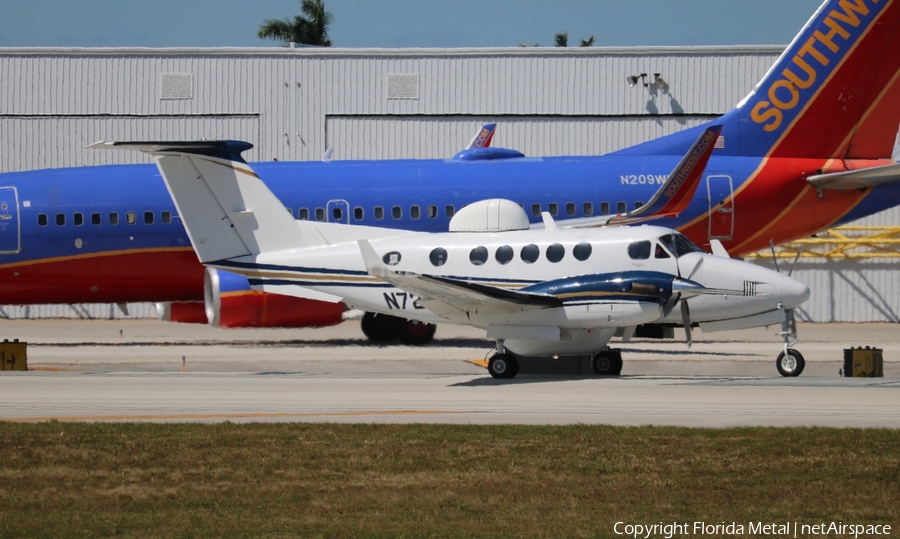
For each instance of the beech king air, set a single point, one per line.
(807, 150)
(536, 291)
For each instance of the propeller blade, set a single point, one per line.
(796, 258)
(686, 320)
(774, 258)
(670, 303)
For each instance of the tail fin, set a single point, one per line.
(227, 210)
(833, 94)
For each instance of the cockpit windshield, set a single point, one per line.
(679, 244)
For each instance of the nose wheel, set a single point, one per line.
(790, 362)
(503, 366)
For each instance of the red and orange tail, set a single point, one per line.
(834, 93)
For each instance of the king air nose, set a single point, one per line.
(792, 292)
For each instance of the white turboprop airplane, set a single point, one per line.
(535, 291)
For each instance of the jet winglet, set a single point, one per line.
(675, 194)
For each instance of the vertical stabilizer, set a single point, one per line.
(227, 210)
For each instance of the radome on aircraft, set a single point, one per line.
(535, 290)
(808, 149)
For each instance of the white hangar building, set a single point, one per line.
(294, 103)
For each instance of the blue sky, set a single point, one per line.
(404, 23)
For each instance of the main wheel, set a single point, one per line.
(791, 364)
(607, 363)
(415, 332)
(503, 366)
(381, 328)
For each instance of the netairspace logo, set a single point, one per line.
(772, 529)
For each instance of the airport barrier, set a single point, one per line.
(13, 355)
(863, 362)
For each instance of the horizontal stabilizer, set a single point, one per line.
(857, 179)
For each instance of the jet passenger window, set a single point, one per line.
(530, 253)
(504, 254)
(42, 219)
(320, 214)
(290, 211)
(588, 209)
(303, 214)
(379, 213)
(113, 218)
(60, 219)
(621, 207)
(582, 251)
(415, 212)
(570, 209)
(478, 256)
(449, 211)
(432, 212)
(338, 214)
(358, 213)
(639, 250)
(604, 208)
(131, 218)
(166, 217)
(638, 204)
(148, 217)
(95, 218)
(536, 210)
(397, 212)
(78, 219)
(555, 253)
(553, 209)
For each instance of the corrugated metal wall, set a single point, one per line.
(292, 104)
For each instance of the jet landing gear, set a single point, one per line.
(790, 362)
(607, 362)
(384, 328)
(503, 364)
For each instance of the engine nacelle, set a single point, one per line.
(182, 312)
(231, 303)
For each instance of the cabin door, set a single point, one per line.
(721, 207)
(10, 236)
(338, 211)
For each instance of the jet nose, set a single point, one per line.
(793, 292)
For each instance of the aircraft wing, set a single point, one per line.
(454, 297)
(673, 196)
(857, 179)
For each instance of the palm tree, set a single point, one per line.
(589, 42)
(309, 30)
(562, 39)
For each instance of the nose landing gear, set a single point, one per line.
(790, 362)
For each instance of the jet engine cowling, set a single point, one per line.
(230, 302)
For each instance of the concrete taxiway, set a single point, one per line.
(154, 371)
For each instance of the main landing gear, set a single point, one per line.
(607, 362)
(790, 362)
(383, 328)
(503, 364)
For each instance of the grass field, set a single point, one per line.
(311, 480)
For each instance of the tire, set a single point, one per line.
(381, 328)
(503, 366)
(416, 333)
(608, 363)
(790, 365)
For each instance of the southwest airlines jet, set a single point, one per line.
(807, 150)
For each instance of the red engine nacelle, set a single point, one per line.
(231, 303)
(183, 312)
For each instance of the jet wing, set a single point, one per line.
(673, 196)
(454, 297)
(857, 179)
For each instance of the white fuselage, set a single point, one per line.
(521, 259)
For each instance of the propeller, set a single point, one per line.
(686, 320)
